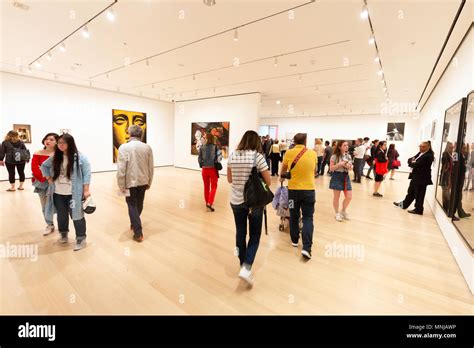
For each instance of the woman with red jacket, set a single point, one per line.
(39, 182)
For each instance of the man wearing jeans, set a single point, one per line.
(134, 176)
(301, 163)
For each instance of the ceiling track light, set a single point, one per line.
(377, 59)
(275, 62)
(371, 39)
(85, 32)
(62, 47)
(365, 13)
(110, 15)
(147, 62)
(38, 64)
(49, 56)
(380, 72)
(236, 35)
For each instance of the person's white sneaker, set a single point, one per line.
(345, 216)
(294, 244)
(246, 274)
(306, 254)
(80, 244)
(339, 217)
(48, 229)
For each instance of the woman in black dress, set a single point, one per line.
(392, 156)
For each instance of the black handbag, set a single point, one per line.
(217, 164)
(256, 192)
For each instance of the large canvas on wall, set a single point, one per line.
(121, 120)
(220, 131)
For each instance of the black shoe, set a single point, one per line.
(211, 207)
(376, 194)
(414, 212)
(455, 218)
(465, 215)
(368, 177)
(398, 204)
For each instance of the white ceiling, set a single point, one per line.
(193, 51)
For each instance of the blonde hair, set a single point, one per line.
(12, 136)
(318, 141)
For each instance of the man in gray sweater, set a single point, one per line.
(134, 176)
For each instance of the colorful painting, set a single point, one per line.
(121, 120)
(220, 131)
(24, 132)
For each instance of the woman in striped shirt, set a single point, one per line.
(239, 167)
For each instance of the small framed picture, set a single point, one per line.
(24, 132)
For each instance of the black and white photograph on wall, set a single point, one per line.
(24, 132)
(395, 131)
(433, 130)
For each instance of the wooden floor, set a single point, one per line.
(186, 264)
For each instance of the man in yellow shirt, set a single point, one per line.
(301, 163)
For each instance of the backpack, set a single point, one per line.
(256, 192)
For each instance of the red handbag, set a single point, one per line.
(381, 168)
(396, 163)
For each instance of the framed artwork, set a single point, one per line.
(220, 131)
(433, 130)
(464, 199)
(24, 132)
(448, 168)
(395, 131)
(121, 120)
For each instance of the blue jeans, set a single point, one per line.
(303, 200)
(64, 210)
(247, 251)
(42, 194)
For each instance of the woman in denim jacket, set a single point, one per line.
(68, 173)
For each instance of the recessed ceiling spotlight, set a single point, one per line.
(365, 13)
(85, 32)
(110, 15)
(377, 59)
(371, 40)
(278, 102)
(62, 47)
(49, 56)
(38, 64)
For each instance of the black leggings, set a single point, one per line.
(11, 171)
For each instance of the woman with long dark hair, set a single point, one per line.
(68, 172)
(340, 164)
(380, 166)
(40, 183)
(392, 155)
(247, 155)
(209, 155)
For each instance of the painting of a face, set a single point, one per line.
(121, 120)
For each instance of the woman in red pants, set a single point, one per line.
(209, 156)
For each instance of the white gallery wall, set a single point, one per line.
(456, 83)
(49, 106)
(351, 128)
(241, 111)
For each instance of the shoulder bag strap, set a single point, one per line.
(297, 158)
